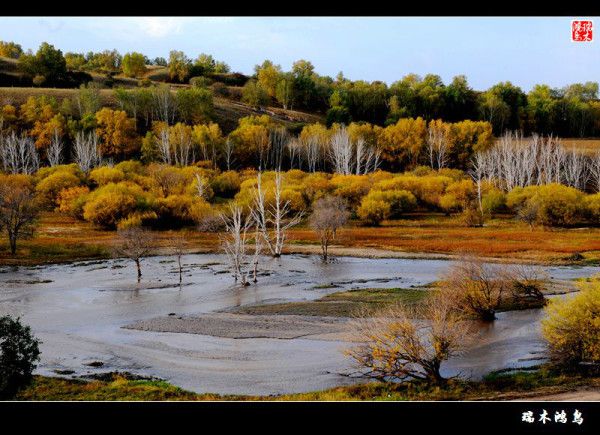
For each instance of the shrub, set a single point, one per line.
(396, 202)
(50, 187)
(559, 205)
(428, 189)
(19, 353)
(72, 200)
(396, 345)
(177, 210)
(373, 211)
(494, 201)
(592, 207)
(351, 188)
(227, 184)
(472, 217)
(572, 328)
(137, 220)
(105, 174)
(108, 204)
(474, 288)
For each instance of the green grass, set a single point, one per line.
(497, 385)
(117, 388)
(343, 304)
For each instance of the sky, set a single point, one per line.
(525, 51)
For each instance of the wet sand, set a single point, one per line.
(241, 326)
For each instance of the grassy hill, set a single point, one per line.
(227, 111)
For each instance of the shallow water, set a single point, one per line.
(78, 311)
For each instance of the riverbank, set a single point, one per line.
(540, 384)
(60, 239)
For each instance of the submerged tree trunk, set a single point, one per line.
(139, 269)
(180, 271)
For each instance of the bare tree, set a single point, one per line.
(178, 247)
(18, 154)
(135, 243)
(234, 241)
(312, 149)
(398, 345)
(278, 138)
(165, 107)
(228, 153)
(164, 146)
(258, 247)
(594, 168)
(517, 162)
(529, 213)
(329, 215)
(341, 154)
(182, 148)
(479, 166)
(86, 152)
(55, 149)
(437, 146)
(273, 220)
(201, 186)
(575, 169)
(294, 148)
(19, 208)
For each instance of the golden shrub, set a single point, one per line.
(572, 326)
(72, 200)
(104, 174)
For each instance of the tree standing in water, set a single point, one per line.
(329, 215)
(135, 243)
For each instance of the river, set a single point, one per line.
(78, 310)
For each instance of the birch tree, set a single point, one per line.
(55, 149)
(234, 242)
(18, 154)
(274, 220)
(86, 152)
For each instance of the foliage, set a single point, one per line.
(19, 353)
(133, 64)
(108, 204)
(572, 326)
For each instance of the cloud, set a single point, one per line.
(159, 27)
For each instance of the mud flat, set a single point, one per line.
(243, 326)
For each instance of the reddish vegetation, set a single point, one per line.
(62, 238)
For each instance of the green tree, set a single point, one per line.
(194, 104)
(134, 64)
(48, 62)
(179, 66)
(285, 91)
(19, 353)
(254, 94)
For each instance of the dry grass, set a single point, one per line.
(439, 234)
(587, 146)
(61, 238)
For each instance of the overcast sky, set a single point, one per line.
(524, 51)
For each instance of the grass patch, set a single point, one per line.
(495, 386)
(117, 388)
(342, 304)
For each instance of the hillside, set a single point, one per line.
(227, 111)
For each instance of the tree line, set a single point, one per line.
(571, 111)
